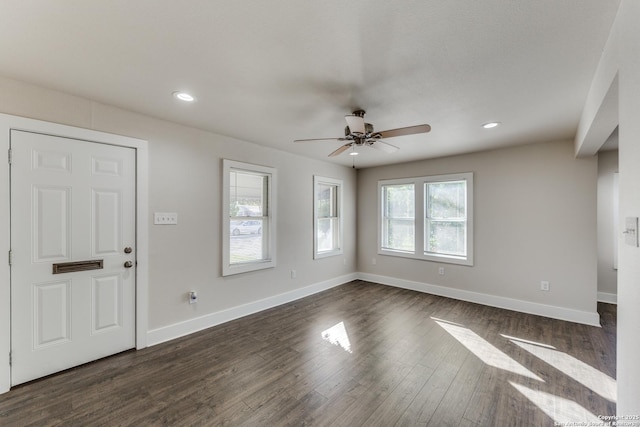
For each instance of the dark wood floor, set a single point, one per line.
(360, 354)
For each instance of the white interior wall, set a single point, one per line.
(607, 240)
(622, 57)
(185, 177)
(535, 219)
(629, 257)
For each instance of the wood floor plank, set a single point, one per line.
(391, 409)
(397, 357)
(387, 379)
(482, 406)
(430, 396)
(454, 403)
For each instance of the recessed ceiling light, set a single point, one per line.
(353, 153)
(490, 125)
(184, 96)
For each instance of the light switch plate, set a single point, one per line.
(165, 218)
(631, 231)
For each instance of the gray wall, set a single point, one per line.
(185, 177)
(535, 215)
(535, 219)
(607, 240)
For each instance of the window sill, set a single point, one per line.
(230, 270)
(447, 259)
(327, 254)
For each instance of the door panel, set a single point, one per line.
(54, 161)
(51, 313)
(102, 166)
(71, 201)
(106, 303)
(51, 223)
(105, 222)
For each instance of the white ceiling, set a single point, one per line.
(273, 71)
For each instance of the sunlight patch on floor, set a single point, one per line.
(561, 410)
(586, 375)
(484, 350)
(337, 335)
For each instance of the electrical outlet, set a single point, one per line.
(193, 297)
(293, 274)
(544, 286)
(373, 261)
(441, 271)
(165, 218)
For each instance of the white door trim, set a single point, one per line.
(8, 122)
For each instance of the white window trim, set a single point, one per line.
(418, 184)
(338, 183)
(229, 269)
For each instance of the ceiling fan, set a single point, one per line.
(358, 133)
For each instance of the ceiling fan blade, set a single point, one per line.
(320, 139)
(356, 124)
(411, 130)
(341, 149)
(383, 146)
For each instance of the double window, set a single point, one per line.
(428, 218)
(249, 210)
(327, 221)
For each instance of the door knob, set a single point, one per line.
(128, 264)
(128, 250)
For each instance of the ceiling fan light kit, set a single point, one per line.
(184, 96)
(356, 123)
(490, 125)
(359, 133)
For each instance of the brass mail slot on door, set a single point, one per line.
(70, 267)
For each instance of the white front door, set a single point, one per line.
(72, 252)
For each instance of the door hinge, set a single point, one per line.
(10, 257)
(10, 359)
(9, 155)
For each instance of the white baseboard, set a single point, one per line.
(608, 298)
(177, 330)
(561, 313)
(180, 329)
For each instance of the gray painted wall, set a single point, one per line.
(535, 219)
(535, 215)
(185, 177)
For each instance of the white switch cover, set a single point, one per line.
(165, 218)
(631, 231)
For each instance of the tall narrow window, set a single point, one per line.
(398, 217)
(327, 217)
(248, 202)
(429, 217)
